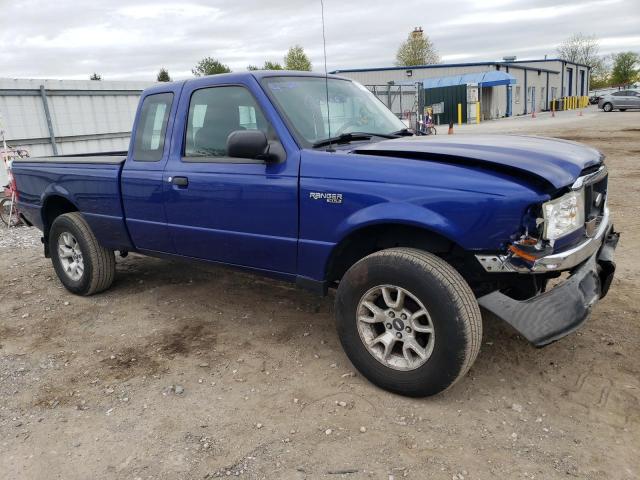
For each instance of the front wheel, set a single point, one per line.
(607, 107)
(408, 321)
(83, 265)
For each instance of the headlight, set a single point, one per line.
(563, 215)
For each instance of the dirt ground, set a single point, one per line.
(186, 372)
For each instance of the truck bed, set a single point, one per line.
(90, 182)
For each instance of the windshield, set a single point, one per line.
(352, 108)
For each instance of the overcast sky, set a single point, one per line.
(132, 39)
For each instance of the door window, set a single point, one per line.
(216, 112)
(152, 128)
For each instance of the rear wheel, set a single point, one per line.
(607, 107)
(83, 265)
(408, 321)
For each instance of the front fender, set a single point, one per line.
(397, 213)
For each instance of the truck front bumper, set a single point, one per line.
(555, 313)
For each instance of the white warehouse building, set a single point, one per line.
(526, 85)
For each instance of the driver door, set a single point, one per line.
(230, 210)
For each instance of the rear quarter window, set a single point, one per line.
(152, 127)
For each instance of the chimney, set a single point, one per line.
(417, 32)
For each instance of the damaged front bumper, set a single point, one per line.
(555, 313)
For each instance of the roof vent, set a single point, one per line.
(509, 58)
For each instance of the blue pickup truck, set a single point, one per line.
(310, 179)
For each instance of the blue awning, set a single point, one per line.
(490, 78)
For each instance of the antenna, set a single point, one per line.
(326, 77)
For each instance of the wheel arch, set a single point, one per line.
(53, 206)
(373, 237)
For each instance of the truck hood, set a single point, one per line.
(557, 162)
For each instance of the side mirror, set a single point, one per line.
(251, 144)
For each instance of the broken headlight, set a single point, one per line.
(563, 215)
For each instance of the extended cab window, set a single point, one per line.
(216, 112)
(152, 128)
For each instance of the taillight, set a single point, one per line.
(13, 187)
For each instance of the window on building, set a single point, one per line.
(152, 127)
(517, 95)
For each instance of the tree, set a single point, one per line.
(95, 76)
(163, 75)
(600, 76)
(625, 69)
(268, 65)
(580, 48)
(296, 59)
(585, 49)
(209, 66)
(417, 49)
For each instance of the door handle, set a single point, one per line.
(179, 181)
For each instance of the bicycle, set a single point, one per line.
(9, 213)
(426, 128)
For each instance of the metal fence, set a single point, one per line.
(400, 99)
(56, 117)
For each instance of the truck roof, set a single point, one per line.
(236, 76)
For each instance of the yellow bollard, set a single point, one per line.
(477, 112)
(459, 114)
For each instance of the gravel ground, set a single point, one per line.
(185, 372)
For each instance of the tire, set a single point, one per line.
(607, 107)
(453, 313)
(432, 131)
(8, 210)
(71, 235)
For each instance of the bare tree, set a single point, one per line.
(417, 49)
(95, 76)
(585, 49)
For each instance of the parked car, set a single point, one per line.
(620, 100)
(272, 173)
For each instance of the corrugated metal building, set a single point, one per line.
(537, 82)
(49, 117)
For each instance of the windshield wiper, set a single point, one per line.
(350, 137)
(404, 132)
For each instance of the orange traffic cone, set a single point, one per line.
(450, 132)
(580, 113)
(533, 113)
